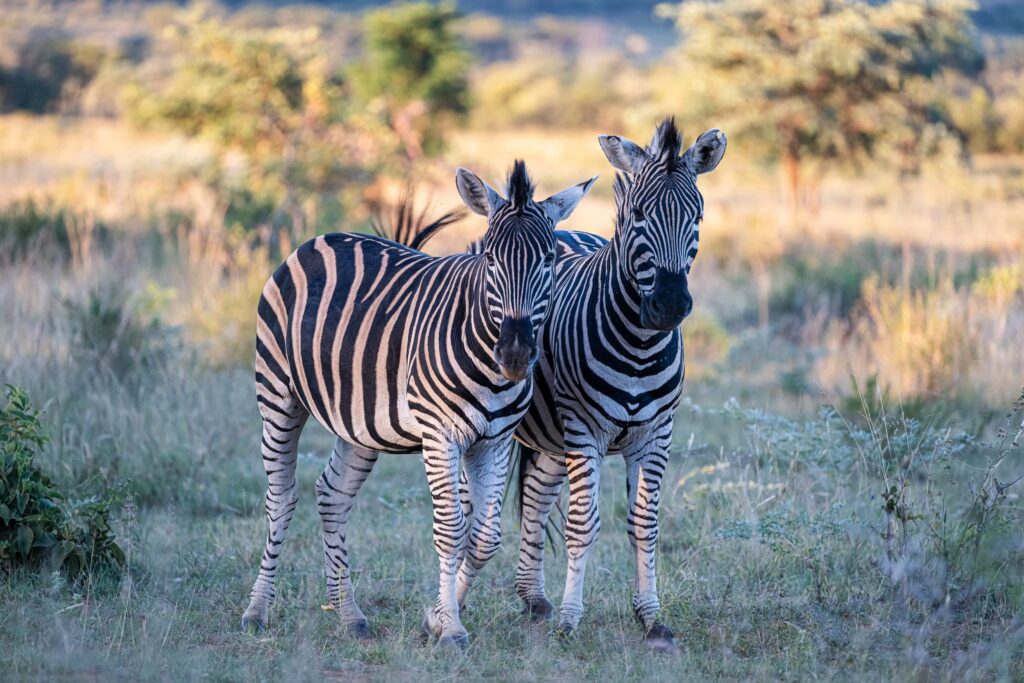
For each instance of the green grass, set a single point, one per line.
(769, 569)
(773, 561)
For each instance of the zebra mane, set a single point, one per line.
(519, 186)
(405, 225)
(666, 143)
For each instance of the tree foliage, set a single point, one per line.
(414, 71)
(831, 81)
(49, 73)
(274, 109)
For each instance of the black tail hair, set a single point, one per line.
(407, 226)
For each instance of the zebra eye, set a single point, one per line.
(490, 259)
(549, 259)
(700, 219)
(638, 213)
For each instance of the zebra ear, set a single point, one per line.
(704, 155)
(624, 155)
(559, 206)
(478, 195)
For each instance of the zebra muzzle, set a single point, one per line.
(668, 303)
(516, 350)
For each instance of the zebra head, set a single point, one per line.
(659, 214)
(517, 255)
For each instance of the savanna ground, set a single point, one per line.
(843, 500)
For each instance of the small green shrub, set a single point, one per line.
(113, 333)
(38, 524)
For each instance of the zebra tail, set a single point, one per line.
(403, 223)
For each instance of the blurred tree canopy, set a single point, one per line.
(414, 72)
(295, 131)
(49, 73)
(273, 108)
(824, 81)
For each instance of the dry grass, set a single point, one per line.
(774, 562)
(933, 342)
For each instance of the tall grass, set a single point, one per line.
(933, 342)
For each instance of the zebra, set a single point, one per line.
(395, 351)
(611, 370)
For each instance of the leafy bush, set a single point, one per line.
(801, 85)
(38, 524)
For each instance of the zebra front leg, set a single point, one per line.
(282, 426)
(442, 464)
(643, 485)
(336, 491)
(540, 480)
(484, 473)
(583, 526)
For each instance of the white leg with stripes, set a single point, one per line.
(542, 482)
(484, 472)
(281, 429)
(336, 491)
(583, 526)
(442, 460)
(644, 470)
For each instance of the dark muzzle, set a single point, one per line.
(668, 303)
(516, 349)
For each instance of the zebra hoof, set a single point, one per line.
(359, 629)
(251, 623)
(539, 610)
(457, 641)
(254, 620)
(565, 630)
(660, 638)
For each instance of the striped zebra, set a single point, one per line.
(611, 370)
(395, 351)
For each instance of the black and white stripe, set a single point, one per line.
(395, 351)
(611, 368)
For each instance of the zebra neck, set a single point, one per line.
(621, 300)
(480, 332)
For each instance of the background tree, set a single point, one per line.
(275, 111)
(49, 72)
(824, 81)
(413, 73)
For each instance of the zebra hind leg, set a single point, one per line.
(336, 491)
(282, 425)
(540, 481)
